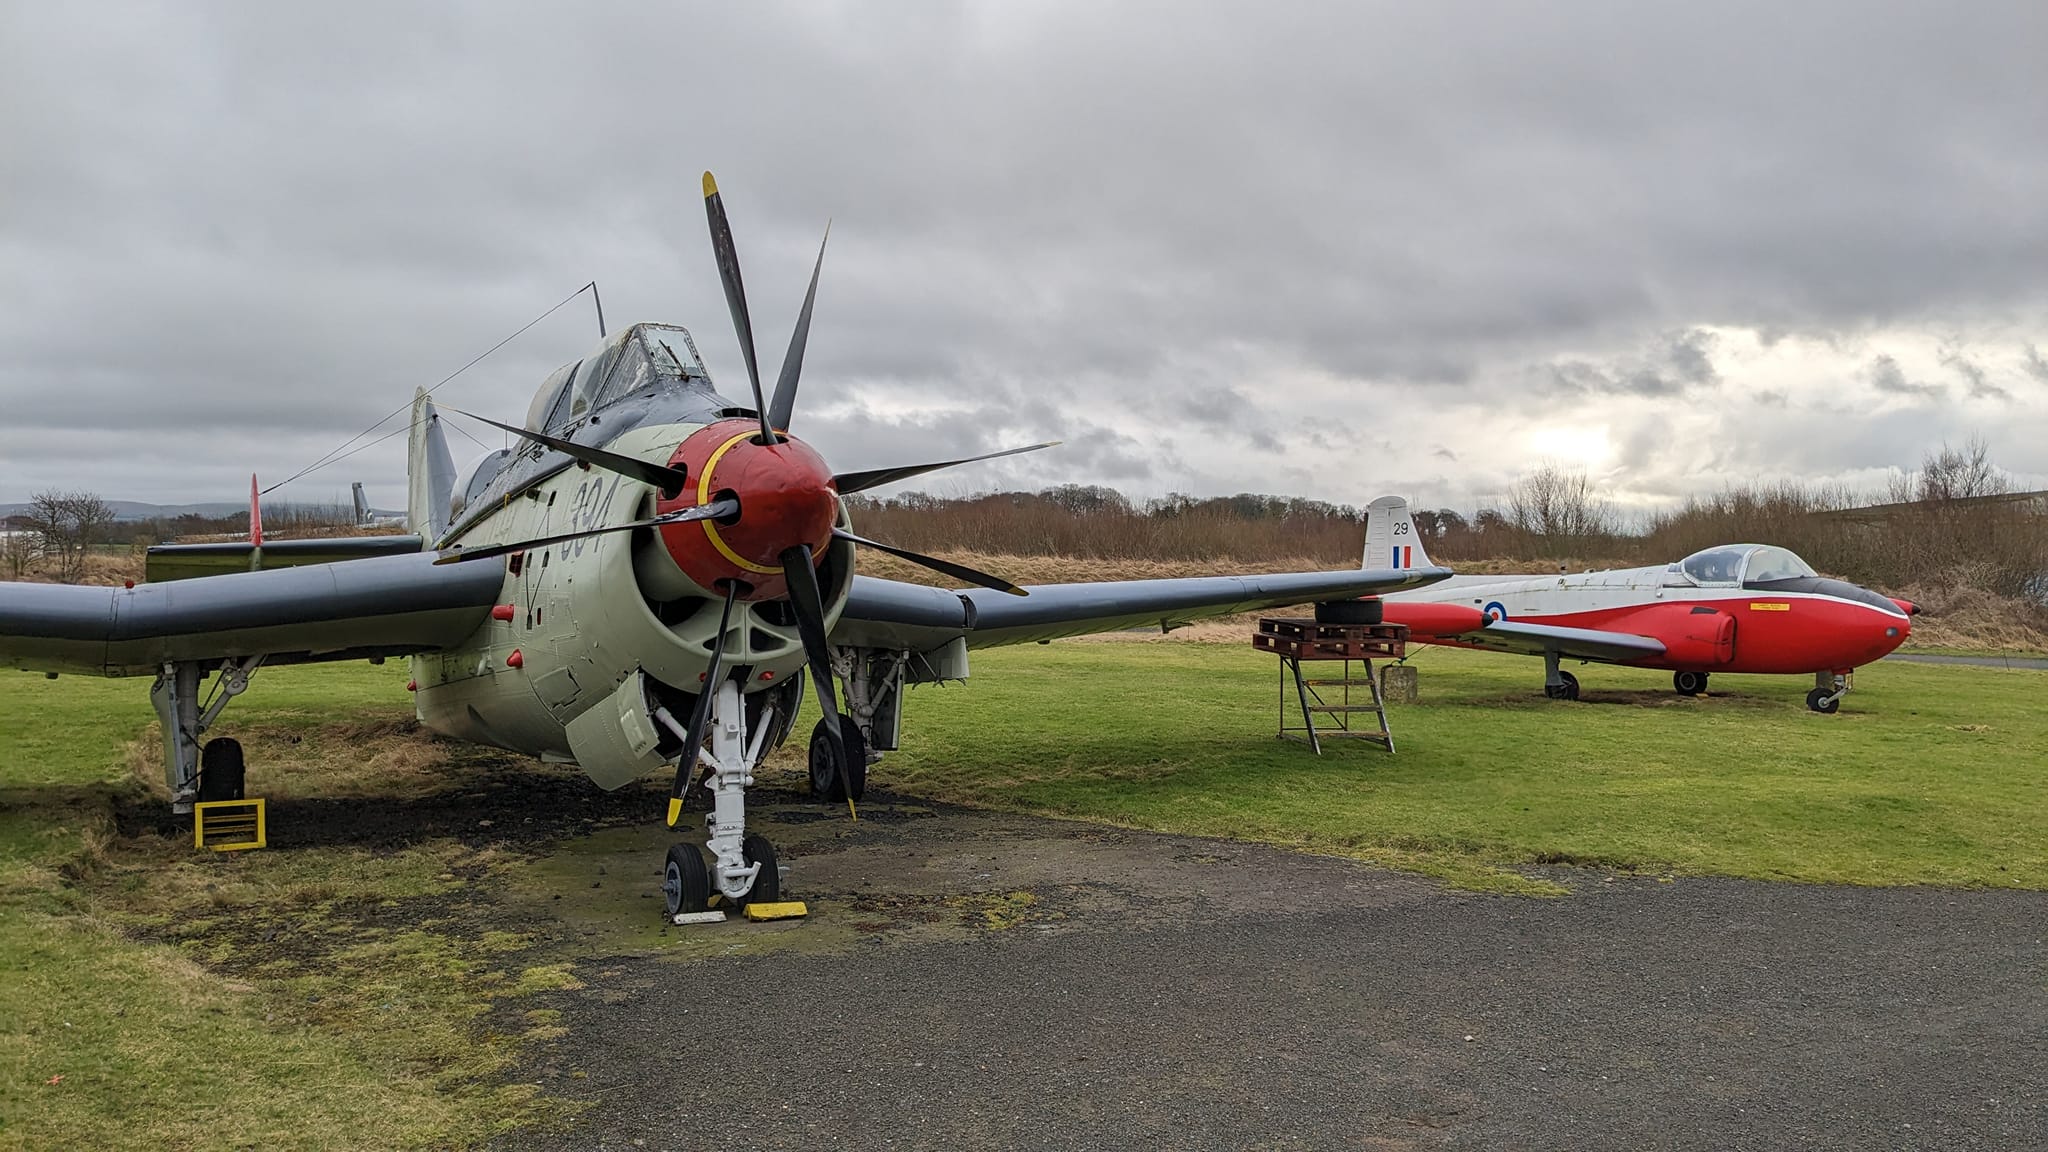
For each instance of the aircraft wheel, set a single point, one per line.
(221, 769)
(685, 881)
(1569, 690)
(825, 782)
(768, 881)
(1689, 683)
(1819, 701)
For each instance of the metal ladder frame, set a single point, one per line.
(1305, 690)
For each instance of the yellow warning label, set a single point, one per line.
(1769, 606)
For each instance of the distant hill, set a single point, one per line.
(129, 510)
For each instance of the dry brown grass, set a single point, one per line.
(1972, 619)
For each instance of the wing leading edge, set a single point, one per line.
(382, 606)
(1528, 639)
(891, 614)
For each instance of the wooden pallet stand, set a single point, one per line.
(1350, 693)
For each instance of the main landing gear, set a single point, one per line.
(825, 781)
(196, 773)
(1689, 683)
(1558, 684)
(743, 867)
(1828, 690)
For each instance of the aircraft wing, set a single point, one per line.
(891, 614)
(381, 606)
(1578, 643)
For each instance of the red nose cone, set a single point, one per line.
(785, 495)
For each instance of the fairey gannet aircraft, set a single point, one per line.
(1735, 608)
(655, 565)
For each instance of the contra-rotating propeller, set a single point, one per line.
(767, 517)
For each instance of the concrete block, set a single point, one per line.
(1399, 684)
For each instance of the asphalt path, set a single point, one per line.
(978, 981)
(2031, 663)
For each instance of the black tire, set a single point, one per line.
(1689, 683)
(767, 887)
(221, 770)
(1368, 611)
(825, 782)
(1569, 690)
(685, 881)
(1823, 701)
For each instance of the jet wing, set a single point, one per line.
(381, 606)
(1578, 643)
(891, 614)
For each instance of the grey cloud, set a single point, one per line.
(2036, 367)
(1974, 377)
(1885, 375)
(241, 234)
(1678, 361)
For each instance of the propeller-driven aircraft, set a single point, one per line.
(1735, 608)
(642, 585)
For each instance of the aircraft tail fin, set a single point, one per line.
(1391, 540)
(255, 513)
(362, 503)
(429, 472)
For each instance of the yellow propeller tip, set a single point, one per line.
(710, 186)
(675, 810)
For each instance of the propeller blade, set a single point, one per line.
(700, 716)
(850, 482)
(660, 475)
(793, 360)
(956, 571)
(711, 511)
(810, 624)
(735, 295)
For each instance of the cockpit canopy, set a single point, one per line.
(1734, 565)
(643, 358)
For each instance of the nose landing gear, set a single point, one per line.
(1828, 690)
(743, 868)
(1689, 683)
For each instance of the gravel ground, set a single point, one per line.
(979, 981)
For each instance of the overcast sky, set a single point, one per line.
(1332, 250)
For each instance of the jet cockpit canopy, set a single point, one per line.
(1734, 565)
(644, 358)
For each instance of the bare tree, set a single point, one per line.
(1556, 513)
(68, 524)
(18, 549)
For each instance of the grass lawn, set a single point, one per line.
(1928, 774)
(334, 995)
(126, 1020)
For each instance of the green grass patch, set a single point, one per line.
(163, 997)
(1934, 775)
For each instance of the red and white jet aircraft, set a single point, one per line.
(1734, 608)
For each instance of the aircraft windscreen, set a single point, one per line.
(650, 354)
(1768, 563)
(642, 357)
(1716, 565)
